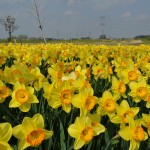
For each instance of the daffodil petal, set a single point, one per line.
(25, 107)
(116, 119)
(14, 103)
(76, 100)
(73, 131)
(125, 133)
(23, 145)
(124, 104)
(133, 145)
(66, 108)
(99, 129)
(33, 99)
(5, 132)
(78, 143)
(5, 146)
(18, 131)
(48, 134)
(38, 120)
(28, 124)
(145, 136)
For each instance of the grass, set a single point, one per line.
(86, 41)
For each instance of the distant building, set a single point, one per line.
(142, 37)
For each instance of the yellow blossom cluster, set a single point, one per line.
(97, 84)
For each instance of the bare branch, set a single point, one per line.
(34, 7)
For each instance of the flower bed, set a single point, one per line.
(67, 96)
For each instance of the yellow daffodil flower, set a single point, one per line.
(107, 104)
(80, 84)
(123, 112)
(139, 90)
(55, 71)
(147, 99)
(22, 97)
(133, 133)
(84, 131)
(118, 87)
(95, 120)
(120, 64)
(147, 68)
(60, 96)
(31, 132)
(71, 76)
(39, 80)
(2, 75)
(4, 92)
(2, 60)
(80, 72)
(146, 122)
(16, 73)
(130, 74)
(98, 70)
(5, 135)
(85, 101)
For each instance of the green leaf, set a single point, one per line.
(89, 146)
(62, 136)
(107, 139)
(114, 142)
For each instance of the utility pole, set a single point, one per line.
(102, 26)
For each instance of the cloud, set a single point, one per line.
(104, 4)
(142, 17)
(72, 2)
(131, 1)
(68, 13)
(126, 14)
(9, 1)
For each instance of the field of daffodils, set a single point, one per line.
(69, 96)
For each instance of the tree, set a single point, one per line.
(22, 37)
(10, 25)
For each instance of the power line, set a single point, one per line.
(102, 26)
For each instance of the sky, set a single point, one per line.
(79, 18)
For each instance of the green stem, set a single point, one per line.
(116, 136)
